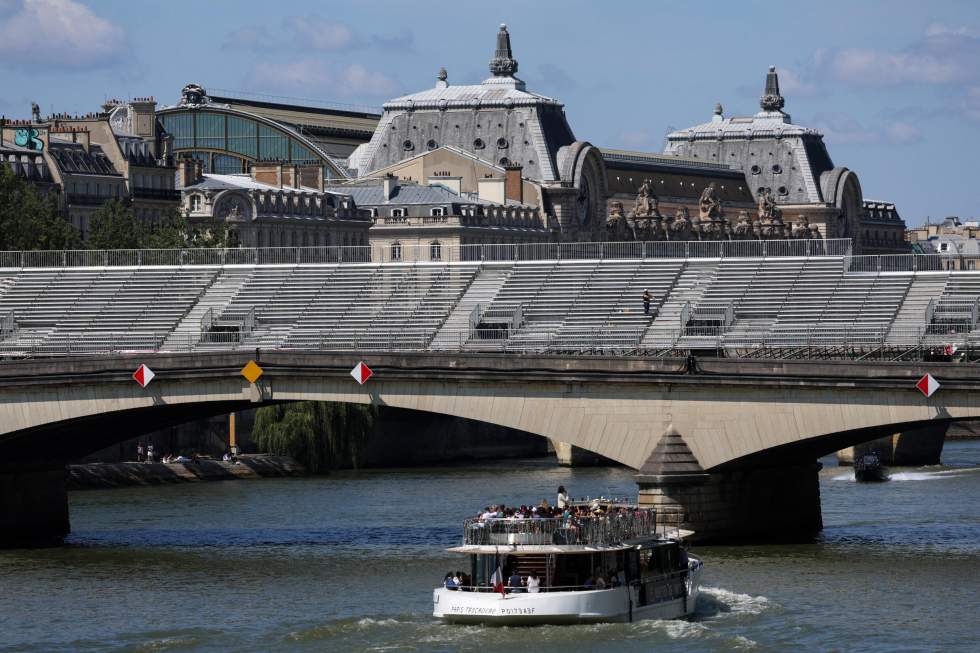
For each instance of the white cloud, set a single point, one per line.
(319, 34)
(58, 35)
(792, 83)
(874, 68)
(314, 76)
(971, 104)
(306, 33)
(944, 55)
(843, 129)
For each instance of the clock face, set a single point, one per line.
(584, 201)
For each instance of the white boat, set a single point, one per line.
(644, 574)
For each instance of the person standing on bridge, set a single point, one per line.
(646, 301)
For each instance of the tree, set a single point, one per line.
(171, 232)
(30, 220)
(319, 435)
(114, 226)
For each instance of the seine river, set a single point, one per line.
(348, 562)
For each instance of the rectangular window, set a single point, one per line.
(243, 136)
(181, 127)
(225, 164)
(302, 154)
(273, 146)
(211, 130)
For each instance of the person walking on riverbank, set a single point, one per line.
(149, 453)
(139, 452)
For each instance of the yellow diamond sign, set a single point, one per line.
(252, 371)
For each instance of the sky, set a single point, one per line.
(894, 86)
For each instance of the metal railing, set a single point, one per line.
(421, 253)
(599, 530)
(846, 343)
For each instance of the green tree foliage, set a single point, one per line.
(319, 435)
(113, 226)
(30, 220)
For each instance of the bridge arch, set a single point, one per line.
(734, 417)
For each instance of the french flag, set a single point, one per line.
(497, 580)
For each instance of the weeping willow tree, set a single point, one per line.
(319, 435)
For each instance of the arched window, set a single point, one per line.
(437, 211)
(195, 203)
(435, 250)
(398, 213)
(396, 251)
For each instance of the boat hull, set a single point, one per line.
(618, 604)
(872, 475)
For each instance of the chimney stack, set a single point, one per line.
(514, 184)
(390, 185)
(188, 171)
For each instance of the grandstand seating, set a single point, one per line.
(582, 305)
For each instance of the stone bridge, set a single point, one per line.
(727, 448)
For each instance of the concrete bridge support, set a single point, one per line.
(33, 507)
(780, 504)
(922, 446)
(569, 455)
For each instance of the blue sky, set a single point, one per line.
(894, 86)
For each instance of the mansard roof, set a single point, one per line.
(768, 147)
(498, 121)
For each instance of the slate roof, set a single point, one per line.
(405, 194)
(245, 182)
(73, 159)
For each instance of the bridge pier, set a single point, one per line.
(922, 446)
(761, 504)
(569, 455)
(33, 507)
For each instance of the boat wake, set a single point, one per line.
(715, 601)
(914, 476)
(716, 607)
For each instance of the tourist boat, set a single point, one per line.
(646, 574)
(868, 469)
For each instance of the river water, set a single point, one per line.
(348, 562)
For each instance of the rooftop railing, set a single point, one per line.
(423, 253)
(597, 530)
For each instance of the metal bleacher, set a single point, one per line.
(737, 305)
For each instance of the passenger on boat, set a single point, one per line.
(448, 581)
(589, 583)
(533, 584)
(562, 497)
(515, 583)
(600, 582)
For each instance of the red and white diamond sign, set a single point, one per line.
(361, 373)
(927, 385)
(143, 375)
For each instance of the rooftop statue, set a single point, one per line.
(647, 204)
(709, 203)
(743, 228)
(680, 225)
(801, 228)
(617, 226)
(768, 211)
